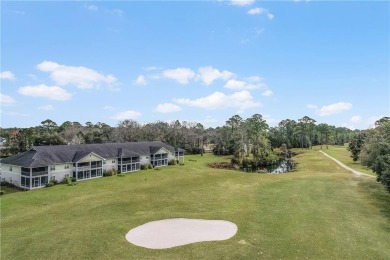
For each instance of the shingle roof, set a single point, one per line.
(40, 156)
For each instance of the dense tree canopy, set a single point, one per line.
(376, 151)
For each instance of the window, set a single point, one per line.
(52, 167)
(104, 162)
(67, 175)
(53, 178)
(113, 161)
(66, 166)
(25, 182)
(10, 168)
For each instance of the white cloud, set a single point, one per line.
(371, 120)
(130, 114)
(152, 68)
(15, 114)
(209, 74)
(117, 12)
(167, 108)
(19, 12)
(334, 108)
(256, 10)
(242, 2)
(351, 127)
(81, 77)
(7, 75)
(141, 80)
(54, 92)
(242, 85)
(311, 106)
(181, 75)
(241, 100)
(6, 100)
(355, 119)
(108, 108)
(267, 93)
(260, 11)
(269, 119)
(46, 107)
(91, 7)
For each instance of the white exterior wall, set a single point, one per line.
(91, 157)
(171, 156)
(11, 176)
(111, 163)
(144, 159)
(60, 172)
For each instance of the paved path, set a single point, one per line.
(356, 173)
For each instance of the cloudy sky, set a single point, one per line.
(195, 61)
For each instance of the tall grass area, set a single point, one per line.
(343, 155)
(318, 212)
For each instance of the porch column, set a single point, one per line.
(30, 179)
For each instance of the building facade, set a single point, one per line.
(41, 164)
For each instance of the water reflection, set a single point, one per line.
(284, 165)
(281, 167)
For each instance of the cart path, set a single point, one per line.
(355, 172)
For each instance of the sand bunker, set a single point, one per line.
(174, 232)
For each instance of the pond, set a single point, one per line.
(281, 167)
(284, 165)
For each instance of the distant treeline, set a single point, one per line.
(238, 137)
(236, 134)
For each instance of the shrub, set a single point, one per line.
(73, 183)
(73, 179)
(172, 162)
(50, 184)
(55, 182)
(66, 180)
(2, 192)
(110, 172)
(234, 161)
(121, 175)
(246, 163)
(146, 166)
(7, 184)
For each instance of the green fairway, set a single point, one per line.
(343, 155)
(319, 211)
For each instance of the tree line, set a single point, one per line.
(371, 148)
(237, 135)
(251, 137)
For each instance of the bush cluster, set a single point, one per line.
(110, 172)
(146, 166)
(172, 162)
(52, 183)
(10, 185)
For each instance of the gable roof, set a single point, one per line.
(39, 156)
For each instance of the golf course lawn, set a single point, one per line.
(319, 211)
(343, 155)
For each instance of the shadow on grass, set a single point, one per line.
(380, 197)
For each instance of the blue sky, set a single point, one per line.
(195, 61)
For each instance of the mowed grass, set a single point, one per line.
(343, 155)
(319, 211)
